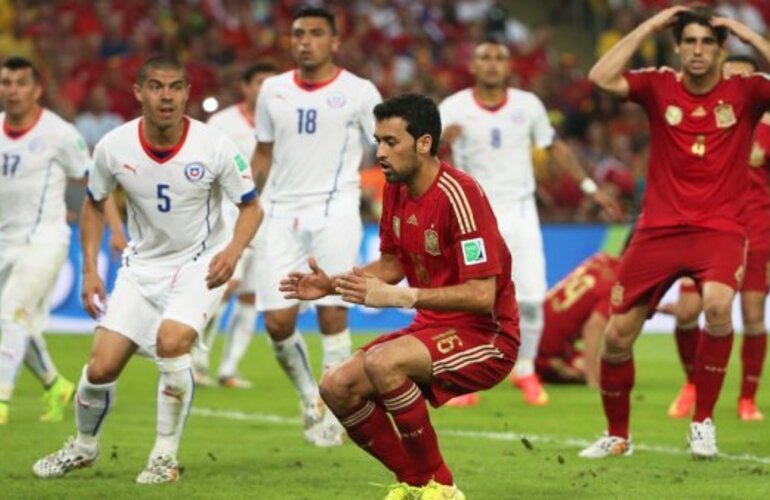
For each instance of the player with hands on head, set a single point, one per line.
(174, 171)
(439, 232)
(701, 126)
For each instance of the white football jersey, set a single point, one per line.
(33, 176)
(495, 146)
(317, 138)
(237, 123)
(174, 203)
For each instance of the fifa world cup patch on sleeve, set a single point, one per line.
(240, 163)
(474, 251)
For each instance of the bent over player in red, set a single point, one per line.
(701, 126)
(437, 230)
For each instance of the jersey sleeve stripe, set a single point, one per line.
(460, 220)
(251, 195)
(462, 200)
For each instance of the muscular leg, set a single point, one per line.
(175, 385)
(687, 333)
(617, 368)
(714, 348)
(754, 341)
(96, 390)
(333, 323)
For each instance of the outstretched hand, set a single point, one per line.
(666, 17)
(307, 286)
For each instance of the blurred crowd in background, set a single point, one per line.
(89, 51)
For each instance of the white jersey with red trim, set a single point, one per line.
(34, 168)
(174, 200)
(317, 132)
(495, 145)
(237, 123)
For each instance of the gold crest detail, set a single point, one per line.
(699, 111)
(757, 157)
(397, 226)
(699, 146)
(674, 115)
(412, 220)
(431, 242)
(724, 115)
(617, 295)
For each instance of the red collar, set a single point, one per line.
(170, 153)
(491, 109)
(313, 86)
(18, 133)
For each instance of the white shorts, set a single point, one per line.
(520, 228)
(284, 245)
(143, 297)
(245, 273)
(27, 276)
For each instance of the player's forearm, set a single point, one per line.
(112, 215)
(608, 70)
(91, 229)
(475, 296)
(260, 164)
(761, 45)
(246, 225)
(387, 268)
(567, 161)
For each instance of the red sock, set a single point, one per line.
(617, 380)
(687, 345)
(710, 368)
(753, 357)
(370, 428)
(410, 413)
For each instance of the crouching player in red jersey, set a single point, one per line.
(754, 288)
(437, 230)
(576, 308)
(691, 223)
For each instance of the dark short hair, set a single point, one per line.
(743, 58)
(16, 63)
(419, 112)
(698, 14)
(160, 62)
(260, 67)
(308, 11)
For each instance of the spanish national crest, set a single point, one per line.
(431, 242)
(673, 115)
(725, 115)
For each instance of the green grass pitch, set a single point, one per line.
(248, 444)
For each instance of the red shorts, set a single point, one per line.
(758, 226)
(757, 271)
(464, 360)
(657, 257)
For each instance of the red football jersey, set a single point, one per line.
(446, 236)
(697, 170)
(758, 212)
(571, 301)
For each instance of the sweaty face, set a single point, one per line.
(396, 152)
(163, 95)
(741, 68)
(491, 64)
(312, 42)
(19, 92)
(698, 50)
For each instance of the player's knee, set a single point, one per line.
(718, 311)
(618, 342)
(173, 345)
(334, 386)
(100, 371)
(277, 327)
(379, 364)
(687, 314)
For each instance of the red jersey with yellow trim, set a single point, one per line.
(446, 236)
(758, 218)
(697, 175)
(570, 303)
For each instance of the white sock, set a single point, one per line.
(13, 347)
(531, 326)
(175, 394)
(92, 404)
(336, 348)
(39, 361)
(291, 354)
(240, 332)
(201, 356)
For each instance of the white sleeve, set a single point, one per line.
(73, 153)
(447, 112)
(234, 173)
(543, 133)
(369, 99)
(264, 123)
(101, 180)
